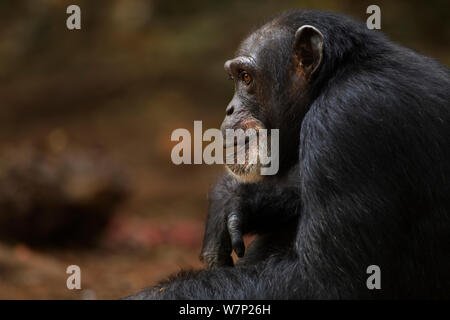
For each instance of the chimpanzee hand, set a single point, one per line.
(238, 208)
(224, 225)
(217, 246)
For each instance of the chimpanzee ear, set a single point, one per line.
(308, 49)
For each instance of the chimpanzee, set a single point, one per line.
(364, 176)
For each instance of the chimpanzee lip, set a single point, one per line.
(235, 144)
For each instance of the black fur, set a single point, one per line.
(364, 179)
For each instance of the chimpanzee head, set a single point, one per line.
(272, 73)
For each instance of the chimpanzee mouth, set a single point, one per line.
(235, 143)
(249, 159)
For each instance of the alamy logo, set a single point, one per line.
(249, 148)
(74, 20)
(374, 20)
(374, 280)
(74, 280)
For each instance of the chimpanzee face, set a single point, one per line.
(271, 72)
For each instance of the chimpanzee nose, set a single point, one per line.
(229, 111)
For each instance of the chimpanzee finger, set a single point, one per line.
(234, 224)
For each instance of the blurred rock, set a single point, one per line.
(57, 199)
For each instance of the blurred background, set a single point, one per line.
(85, 122)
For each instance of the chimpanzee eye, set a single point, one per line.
(245, 76)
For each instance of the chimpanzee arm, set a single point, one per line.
(265, 207)
(240, 282)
